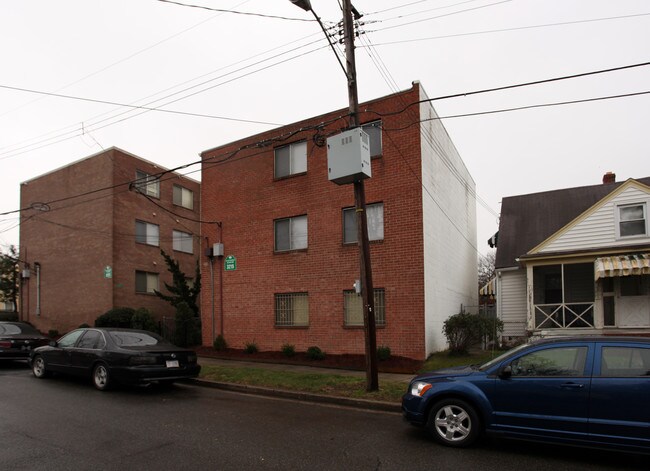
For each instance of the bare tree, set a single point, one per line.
(486, 267)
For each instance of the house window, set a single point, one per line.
(353, 312)
(146, 282)
(374, 132)
(291, 310)
(146, 233)
(635, 285)
(290, 159)
(182, 242)
(291, 233)
(147, 184)
(632, 220)
(375, 217)
(183, 197)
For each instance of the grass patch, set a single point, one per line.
(328, 384)
(441, 360)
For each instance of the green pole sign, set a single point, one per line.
(230, 263)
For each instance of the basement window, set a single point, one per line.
(292, 310)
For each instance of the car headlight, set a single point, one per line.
(419, 388)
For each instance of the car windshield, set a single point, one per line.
(134, 339)
(16, 329)
(494, 361)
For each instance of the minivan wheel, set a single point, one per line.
(453, 422)
(101, 377)
(38, 367)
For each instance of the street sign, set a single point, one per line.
(108, 272)
(230, 263)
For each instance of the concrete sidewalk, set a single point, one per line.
(302, 396)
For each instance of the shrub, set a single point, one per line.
(250, 347)
(83, 326)
(183, 336)
(383, 353)
(464, 330)
(315, 353)
(117, 317)
(52, 333)
(220, 343)
(288, 350)
(142, 320)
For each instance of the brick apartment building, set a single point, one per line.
(289, 236)
(91, 235)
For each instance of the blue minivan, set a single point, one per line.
(589, 391)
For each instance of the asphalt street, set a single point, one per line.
(63, 424)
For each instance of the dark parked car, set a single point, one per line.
(17, 339)
(591, 391)
(109, 355)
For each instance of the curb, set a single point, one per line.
(301, 396)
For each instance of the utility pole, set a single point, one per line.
(367, 290)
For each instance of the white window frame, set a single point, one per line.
(620, 220)
(298, 234)
(297, 159)
(183, 197)
(375, 218)
(151, 233)
(182, 242)
(152, 281)
(147, 184)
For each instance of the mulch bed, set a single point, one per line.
(394, 364)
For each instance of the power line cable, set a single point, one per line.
(234, 12)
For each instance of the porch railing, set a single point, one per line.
(564, 315)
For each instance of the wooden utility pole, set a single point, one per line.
(367, 290)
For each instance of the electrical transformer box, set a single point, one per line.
(348, 156)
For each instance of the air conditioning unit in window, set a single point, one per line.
(348, 156)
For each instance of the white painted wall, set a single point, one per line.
(511, 302)
(449, 224)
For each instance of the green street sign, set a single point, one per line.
(230, 263)
(108, 272)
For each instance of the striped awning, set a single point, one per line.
(489, 289)
(622, 265)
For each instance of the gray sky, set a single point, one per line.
(278, 71)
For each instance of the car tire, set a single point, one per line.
(101, 377)
(453, 422)
(39, 370)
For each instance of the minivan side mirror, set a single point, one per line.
(506, 372)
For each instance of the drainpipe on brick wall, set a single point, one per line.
(37, 268)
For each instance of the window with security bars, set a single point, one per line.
(147, 184)
(145, 282)
(291, 309)
(353, 312)
(183, 197)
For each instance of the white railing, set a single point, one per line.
(564, 315)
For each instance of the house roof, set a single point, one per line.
(527, 220)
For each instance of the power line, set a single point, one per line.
(517, 28)
(234, 12)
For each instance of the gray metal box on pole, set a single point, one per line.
(348, 156)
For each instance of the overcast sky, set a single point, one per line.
(260, 72)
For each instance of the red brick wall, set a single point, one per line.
(241, 192)
(78, 237)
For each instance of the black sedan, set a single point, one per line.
(111, 355)
(17, 339)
